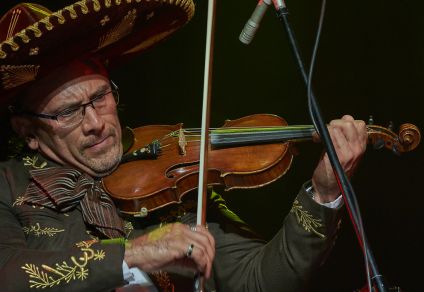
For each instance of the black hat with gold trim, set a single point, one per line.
(35, 40)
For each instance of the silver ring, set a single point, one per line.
(189, 250)
(193, 228)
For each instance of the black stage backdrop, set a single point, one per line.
(370, 62)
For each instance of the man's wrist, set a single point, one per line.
(330, 201)
(319, 196)
(129, 254)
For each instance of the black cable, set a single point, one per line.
(344, 184)
(312, 114)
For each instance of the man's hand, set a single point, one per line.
(173, 245)
(349, 137)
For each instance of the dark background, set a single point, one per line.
(370, 62)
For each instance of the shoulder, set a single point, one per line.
(14, 178)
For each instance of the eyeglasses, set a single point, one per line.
(74, 115)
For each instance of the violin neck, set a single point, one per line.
(230, 137)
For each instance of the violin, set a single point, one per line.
(161, 164)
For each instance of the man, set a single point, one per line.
(60, 230)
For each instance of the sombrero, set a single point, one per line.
(35, 40)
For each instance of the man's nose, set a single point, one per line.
(92, 121)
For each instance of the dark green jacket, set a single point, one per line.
(43, 249)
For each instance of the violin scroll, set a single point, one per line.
(409, 136)
(407, 140)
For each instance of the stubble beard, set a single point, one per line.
(104, 163)
(107, 163)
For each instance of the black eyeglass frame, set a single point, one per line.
(114, 91)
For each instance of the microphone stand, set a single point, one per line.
(344, 184)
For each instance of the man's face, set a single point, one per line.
(93, 145)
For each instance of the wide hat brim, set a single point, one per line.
(109, 30)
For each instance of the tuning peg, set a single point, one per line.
(371, 120)
(378, 144)
(395, 150)
(390, 126)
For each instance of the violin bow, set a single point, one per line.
(204, 137)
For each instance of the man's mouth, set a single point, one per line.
(100, 144)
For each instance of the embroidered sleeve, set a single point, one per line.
(38, 230)
(75, 269)
(306, 220)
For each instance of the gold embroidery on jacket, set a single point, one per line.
(19, 201)
(86, 243)
(38, 231)
(36, 206)
(98, 255)
(90, 233)
(32, 161)
(47, 277)
(308, 222)
(128, 227)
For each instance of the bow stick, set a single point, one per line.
(204, 140)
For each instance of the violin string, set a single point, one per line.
(264, 130)
(284, 133)
(253, 128)
(197, 130)
(251, 137)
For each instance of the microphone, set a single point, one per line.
(252, 24)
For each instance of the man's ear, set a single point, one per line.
(23, 127)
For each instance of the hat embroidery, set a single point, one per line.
(83, 6)
(34, 28)
(12, 44)
(96, 5)
(150, 15)
(104, 20)
(71, 11)
(34, 51)
(13, 76)
(120, 30)
(13, 21)
(147, 43)
(23, 36)
(59, 16)
(47, 23)
(108, 3)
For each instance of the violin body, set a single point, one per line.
(249, 152)
(141, 186)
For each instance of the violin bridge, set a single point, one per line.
(182, 143)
